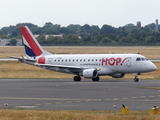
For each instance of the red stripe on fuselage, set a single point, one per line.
(37, 51)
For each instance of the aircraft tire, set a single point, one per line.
(77, 78)
(136, 80)
(95, 79)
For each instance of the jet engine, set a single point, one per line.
(90, 73)
(118, 75)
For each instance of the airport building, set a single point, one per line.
(139, 24)
(156, 24)
(6, 42)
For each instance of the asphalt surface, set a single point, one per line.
(56, 94)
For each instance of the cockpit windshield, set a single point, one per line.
(141, 59)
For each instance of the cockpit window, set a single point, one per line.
(138, 59)
(146, 59)
(141, 59)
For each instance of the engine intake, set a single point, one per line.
(90, 73)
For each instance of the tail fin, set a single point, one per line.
(32, 47)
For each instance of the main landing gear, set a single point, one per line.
(77, 78)
(95, 79)
(136, 79)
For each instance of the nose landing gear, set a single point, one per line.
(136, 79)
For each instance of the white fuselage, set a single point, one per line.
(106, 64)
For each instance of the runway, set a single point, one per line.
(57, 94)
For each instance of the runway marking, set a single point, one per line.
(48, 103)
(116, 98)
(28, 107)
(144, 100)
(38, 104)
(69, 102)
(78, 101)
(142, 96)
(58, 103)
(134, 97)
(107, 99)
(98, 100)
(124, 98)
(21, 98)
(65, 99)
(151, 96)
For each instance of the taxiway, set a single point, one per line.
(64, 94)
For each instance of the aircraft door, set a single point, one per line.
(50, 61)
(128, 62)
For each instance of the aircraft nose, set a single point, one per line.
(153, 67)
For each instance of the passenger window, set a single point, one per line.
(92, 59)
(138, 59)
(77, 60)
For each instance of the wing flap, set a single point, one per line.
(59, 66)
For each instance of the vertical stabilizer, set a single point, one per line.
(32, 47)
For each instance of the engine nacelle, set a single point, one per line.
(118, 75)
(90, 73)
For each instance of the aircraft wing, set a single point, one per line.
(62, 68)
(58, 66)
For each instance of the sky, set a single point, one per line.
(116, 13)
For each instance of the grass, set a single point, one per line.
(149, 52)
(73, 115)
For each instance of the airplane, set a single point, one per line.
(89, 66)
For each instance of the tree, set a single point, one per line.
(13, 42)
(106, 40)
(74, 29)
(151, 26)
(150, 39)
(71, 38)
(107, 29)
(64, 30)
(41, 39)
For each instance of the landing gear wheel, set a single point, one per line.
(136, 79)
(77, 78)
(95, 79)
